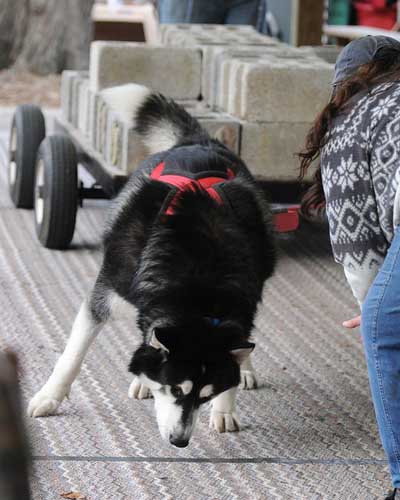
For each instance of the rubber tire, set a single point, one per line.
(60, 196)
(30, 128)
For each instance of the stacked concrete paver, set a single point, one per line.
(258, 95)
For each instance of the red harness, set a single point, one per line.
(183, 183)
(285, 218)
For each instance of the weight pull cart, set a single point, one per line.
(43, 174)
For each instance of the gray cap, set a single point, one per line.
(359, 52)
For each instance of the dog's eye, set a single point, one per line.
(176, 391)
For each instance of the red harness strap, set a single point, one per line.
(185, 183)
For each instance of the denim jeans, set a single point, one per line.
(208, 11)
(380, 327)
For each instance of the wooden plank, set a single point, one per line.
(116, 31)
(355, 32)
(309, 20)
(125, 15)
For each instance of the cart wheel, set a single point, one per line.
(27, 132)
(56, 191)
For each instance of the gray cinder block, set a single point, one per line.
(77, 82)
(221, 126)
(67, 78)
(213, 34)
(100, 124)
(328, 53)
(92, 121)
(132, 150)
(268, 149)
(83, 107)
(213, 57)
(217, 81)
(278, 90)
(176, 72)
(122, 147)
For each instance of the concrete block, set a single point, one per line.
(83, 107)
(132, 150)
(212, 60)
(216, 80)
(328, 53)
(221, 126)
(92, 121)
(268, 149)
(276, 89)
(100, 124)
(213, 34)
(77, 82)
(122, 147)
(67, 78)
(168, 30)
(174, 72)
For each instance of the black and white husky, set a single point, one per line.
(189, 244)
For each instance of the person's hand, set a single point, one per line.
(352, 323)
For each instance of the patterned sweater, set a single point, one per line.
(360, 166)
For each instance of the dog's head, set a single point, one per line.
(186, 367)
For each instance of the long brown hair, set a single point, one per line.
(384, 68)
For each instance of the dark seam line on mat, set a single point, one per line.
(260, 460)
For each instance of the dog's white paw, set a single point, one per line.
(224, 422)
(46, 402)
(138, 391)
(248, 380)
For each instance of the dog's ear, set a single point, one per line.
(242, 351)
(158, 339)
(155, 340)
(146, 360)
(166, 339)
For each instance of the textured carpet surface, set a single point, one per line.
(308, 432)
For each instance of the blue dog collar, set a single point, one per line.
(214, 321)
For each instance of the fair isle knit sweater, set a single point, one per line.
(360, 166)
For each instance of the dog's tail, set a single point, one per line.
(161, 122)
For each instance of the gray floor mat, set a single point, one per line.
(308, 432)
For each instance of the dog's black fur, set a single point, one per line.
(205, 261)
(195, 277)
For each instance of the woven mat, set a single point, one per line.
(308, 432)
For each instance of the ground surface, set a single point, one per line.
(307, 433)
(21, 87)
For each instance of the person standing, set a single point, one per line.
(357, 138)
(208, 11)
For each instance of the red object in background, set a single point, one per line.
(375, 13)
(287, 219)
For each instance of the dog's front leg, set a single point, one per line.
(84, 330)
(137, 390)
(223, 418)
(248, 378)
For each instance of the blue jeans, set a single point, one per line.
(380, 327)
(208, 11)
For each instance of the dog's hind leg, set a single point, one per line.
(248, 378)
(92, 315)
(223, 418)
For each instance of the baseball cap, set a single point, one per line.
(359, 52)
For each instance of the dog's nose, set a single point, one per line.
(179, 442)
